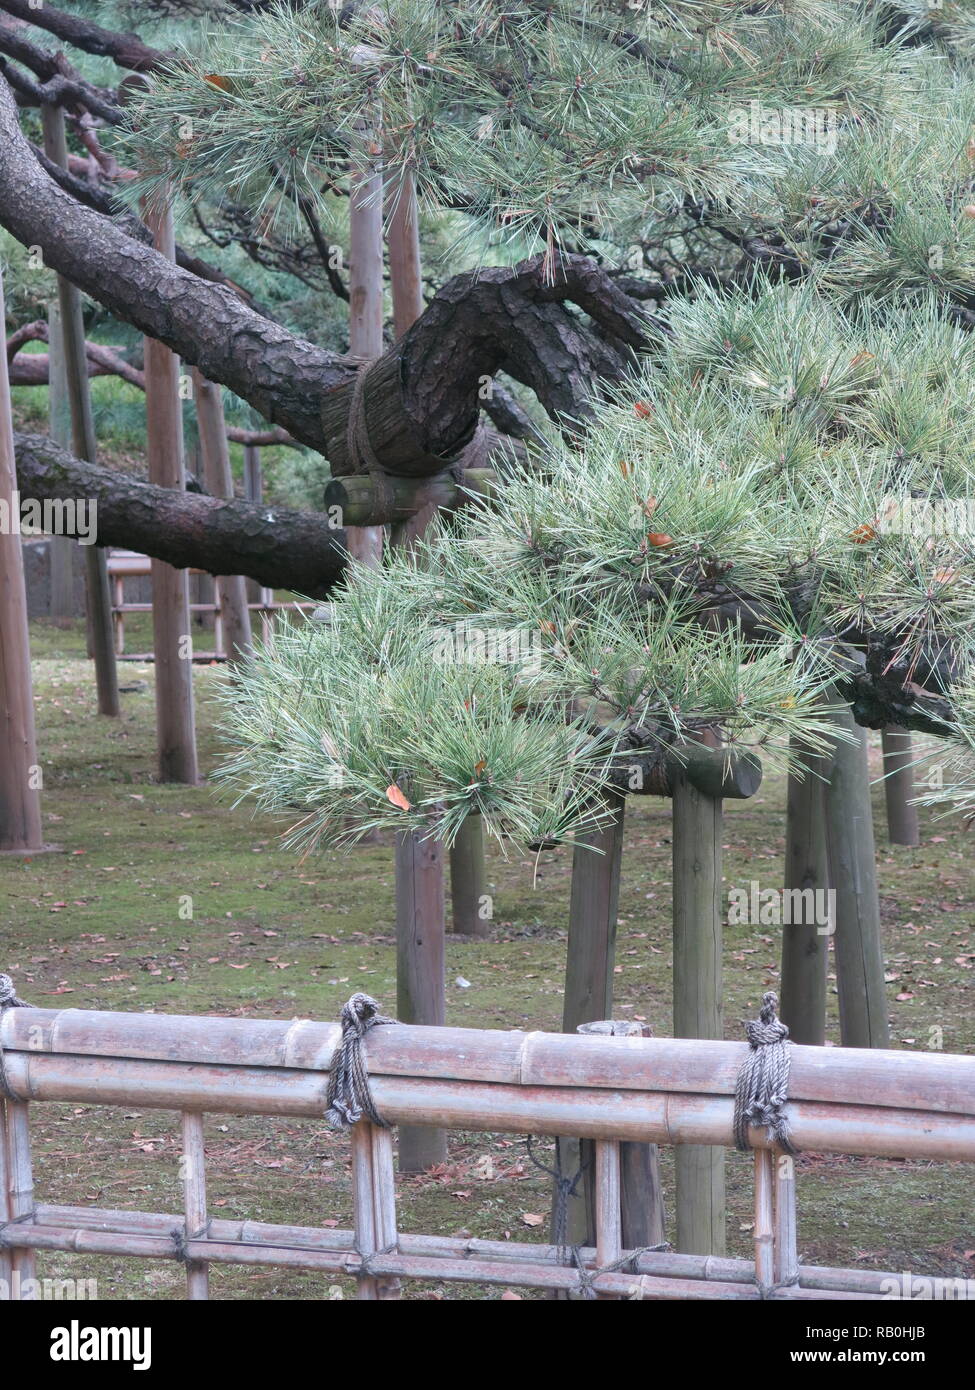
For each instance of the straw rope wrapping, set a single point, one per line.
(348, 1097)
(8, 1000)
(762, 1085)
(359, 445)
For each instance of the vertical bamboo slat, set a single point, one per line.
(609, 1193)
(763, 1234)
(785, 1267)
(384, 1189)
(195, 1200)
(696, 837)
(364, 1206)
(6, 1254)
(18, 1183)
(175, 715)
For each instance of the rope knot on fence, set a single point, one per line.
(762, 1085)
(348, 1097)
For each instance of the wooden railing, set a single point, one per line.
(609, 1089)
(129, 564)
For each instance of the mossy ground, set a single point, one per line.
(99, 925)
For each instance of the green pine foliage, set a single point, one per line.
(746, 518)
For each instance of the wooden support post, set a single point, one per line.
(365, 543)
(902, 824)
(60, 548)
(364, 1206)
(84, 447)
(195, 1201)
(805, 939)
(420, 966)
(644, 1218)
(470, 914)
(388, 1287)
(172, 641)
(20, 772)
(609, 1230)
(858, 942)
(232, 629)
(405, 270)
(587, 1007)
(18, 1182)
(588, 997)
(697, 998)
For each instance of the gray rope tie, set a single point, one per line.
(8, 1000)
(348, 1097)
(565, 1187)
(762, 1086)
(181, 1240)
(359, 445)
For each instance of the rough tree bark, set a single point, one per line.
(280, 548)
(501, 317)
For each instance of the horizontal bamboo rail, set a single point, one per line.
(78, 1224)
(148, 1235)
(651, 1090)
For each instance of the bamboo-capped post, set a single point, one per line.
(697, 913)
(805, 938)
(231, 588)
(365, 543)
(469, 904)
(420, 966)
(172, 642)
(20, 772)
(902, 824)
(85, 447)
(858, 944)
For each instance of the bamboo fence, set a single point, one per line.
(609, 1089)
